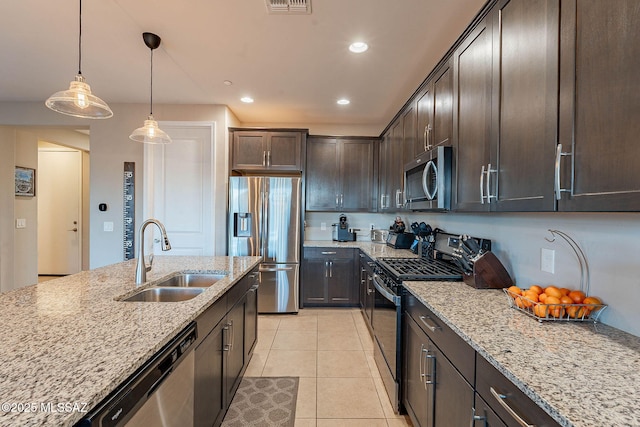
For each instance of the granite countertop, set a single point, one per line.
(68, 342)
(374, 250)
(582, 374)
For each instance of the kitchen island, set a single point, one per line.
(581, 374)
(67, 343)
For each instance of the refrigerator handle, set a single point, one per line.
(265, 222)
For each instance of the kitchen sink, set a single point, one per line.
(192, 280)
(158, 294)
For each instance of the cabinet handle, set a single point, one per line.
(328, 253)
(225, 336)
(330, 268)
(501, 400)
(431, 327)
(326, 269)
(489, 172)
(231, 334)
(557, 188)
(269, 158)
(482, 185)
(421, 360)
(264, 159)
(341, 200)
(475, 418)
(431, 376)
(427, 134)
(337, 199)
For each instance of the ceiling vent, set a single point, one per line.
(289, 6)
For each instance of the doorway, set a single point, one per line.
(60, 207)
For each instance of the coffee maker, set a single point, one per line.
(342, 232)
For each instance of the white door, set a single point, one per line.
(58, 191)
(178, 185)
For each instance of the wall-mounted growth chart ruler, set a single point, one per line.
(129, 211)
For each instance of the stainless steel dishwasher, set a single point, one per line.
(160, 393)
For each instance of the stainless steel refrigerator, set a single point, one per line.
(264, 220)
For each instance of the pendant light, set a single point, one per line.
(150, 133)
(78, 101)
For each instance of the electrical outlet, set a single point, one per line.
(323, 226)
(21, 223)
(108, 226)
(547, 260)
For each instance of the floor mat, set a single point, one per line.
(262, 402)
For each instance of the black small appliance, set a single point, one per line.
(342, 232)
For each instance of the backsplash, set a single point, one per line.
(518, 238)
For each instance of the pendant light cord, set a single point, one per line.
(80, 41)
(151, 97)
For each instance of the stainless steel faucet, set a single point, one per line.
(141, 268)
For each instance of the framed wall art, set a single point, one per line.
(25, 181)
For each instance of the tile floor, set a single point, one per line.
(332, 353)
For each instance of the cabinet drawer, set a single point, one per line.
(461, 354)
(329, 253)
(489, 378)
(210, 318)
(239, 289)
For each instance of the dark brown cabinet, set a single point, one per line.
(509, 403)
(329, 277)
(264, 150)
(384, 165)
(435, 359)
(507, 109)
(367, 292)
(435, 111)
(472, 117)
(227, 333)
(408, 134)
(525, 92)
(599, 99)
(341, 174)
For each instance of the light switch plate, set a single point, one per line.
(323, 226)
(108, 226)
(21, 223)
(547, 260)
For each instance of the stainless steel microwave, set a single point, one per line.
(427, 180)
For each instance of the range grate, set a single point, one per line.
(420, 269)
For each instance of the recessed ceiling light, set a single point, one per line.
(358, 47)
(246, 99)
(228, 82)
(343, 101)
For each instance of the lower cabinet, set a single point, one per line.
(366, 292)
(227, 334)
(329, 277)
(507, 401)
(435, 393)
(446, 384)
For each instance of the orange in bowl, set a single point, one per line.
(514, 290)
(553, 291)
(535, 288)
(577, 296)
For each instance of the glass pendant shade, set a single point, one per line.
(78, 101)
(150, 133)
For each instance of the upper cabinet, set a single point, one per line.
(506, 93)
(472, 116)
(525, 94)
(599, 106)
(435, 111)
(266, 150)
(340, 174)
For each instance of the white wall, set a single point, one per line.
(7, 163)
(110, 148)
(609, 241)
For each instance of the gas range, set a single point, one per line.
(402, 269)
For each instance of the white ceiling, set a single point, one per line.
(294, 66)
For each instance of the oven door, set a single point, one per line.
(386, 330)
(428, 184)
